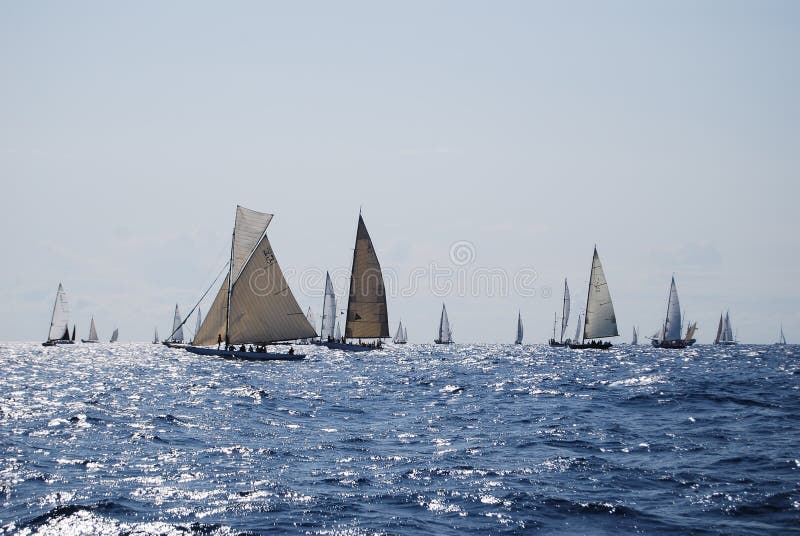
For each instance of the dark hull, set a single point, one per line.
(58, 342)
(246, 356)
(672, 345)
(86, 341)
(556, 344)
(437, 341)
(591, 346)
(347, 347)
(725, 343)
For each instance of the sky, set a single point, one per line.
(489, 145)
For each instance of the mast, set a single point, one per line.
(230, 289)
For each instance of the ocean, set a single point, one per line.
(420, 439)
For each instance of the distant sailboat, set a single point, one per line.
(782, 338)
(724, 331)
(176, 337)
(599, 318)
(635, 339)
(445, 333)
(155, 337)
(199, 321)
(92, 333)
(254, 304)
(367, 314)
(114, 335)
(578, 328)
(670, 334)
(518, 340)
(312, 321)
(326, 332)
(59, 320)
(564, 319)
(400, 336)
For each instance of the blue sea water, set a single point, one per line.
(143, 439)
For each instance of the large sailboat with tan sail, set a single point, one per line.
(367, 321)
(254, 307)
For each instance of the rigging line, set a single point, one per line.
(199, 301)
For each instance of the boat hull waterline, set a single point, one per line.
(245, 356)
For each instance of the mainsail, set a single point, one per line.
(690, 332)
(672, 324)
(115, 335)
(577, 329)
(92, 332)
(74, 329)
(518, 340)
(728, 328)
(445, 335)
(60, 316)
(565, 310)
(177, 326)
(328, 310)
(718, 338)
(367, 314)
(260, 307)
(405, 334)
(338, 334)
(398, 336)
(635, 339)
(600, 320)
(782, 339)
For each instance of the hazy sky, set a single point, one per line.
(667, 133)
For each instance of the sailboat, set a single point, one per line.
(74, 329)
(114, 335)
(564, 319)
(367, 314)
(254, 304)
(782, 338)
(599, 320)
(578, 328)
(669, 336)
(92, 333)
(635, 339)
(518, 340)
(400, 335)
(724, 331)
(59, 321)
(329, 325)
(155, 337)
(176, 337)
(445, 333)
(312, 321)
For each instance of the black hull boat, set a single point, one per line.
(87, 341)
(58, 342)
(671, 345)
(556, 344)
(243, 355)
(592, 345)
(347, 347)
(437, 341)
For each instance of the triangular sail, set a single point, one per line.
(518, 340)
(398, 336)
(672, 326)
(728, 328)
(74, 329)
(690, 331)
(565, 311)
(114, 335)
(60, 316)
(600, 320)
(328, 310)
(635, 339)
(93, 331)
(718, 338)
(405, 334)
(783, 338)
(367, 314)
(578, 329)
(444, 327)
(155, 336)
(177, 327)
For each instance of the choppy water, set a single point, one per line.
(418, 440)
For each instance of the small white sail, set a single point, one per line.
(635, 339)
(92, 332)
(155, 336)
(60, 316)
(565, 311)
(405, 334)
(114, 335)
(177, 327)
(328, 310)
(600, 320)
(672, 325)
(728, 328)
(445, 335)
(518, 340)
(577, 329)
(398, 336)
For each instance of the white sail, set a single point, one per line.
(114, 335)
(93, 332)
(177, 327)
(444, 327)
(405, 334)
(577, 329)
(338, 334)
(328, 310)
(600, 320)
(518, 340)
(672, 325)
(60, 316)
(398, 336)
(155, 336)
(565, 311)
(728, 328)
(199, 321)
(635, 339)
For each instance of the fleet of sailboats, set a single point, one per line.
(92, 333)
(724, 331)
(599, 320)
(445, 333)
(367, 320)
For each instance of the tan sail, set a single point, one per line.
(600, 320)
(213, 326)
(367, 314)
